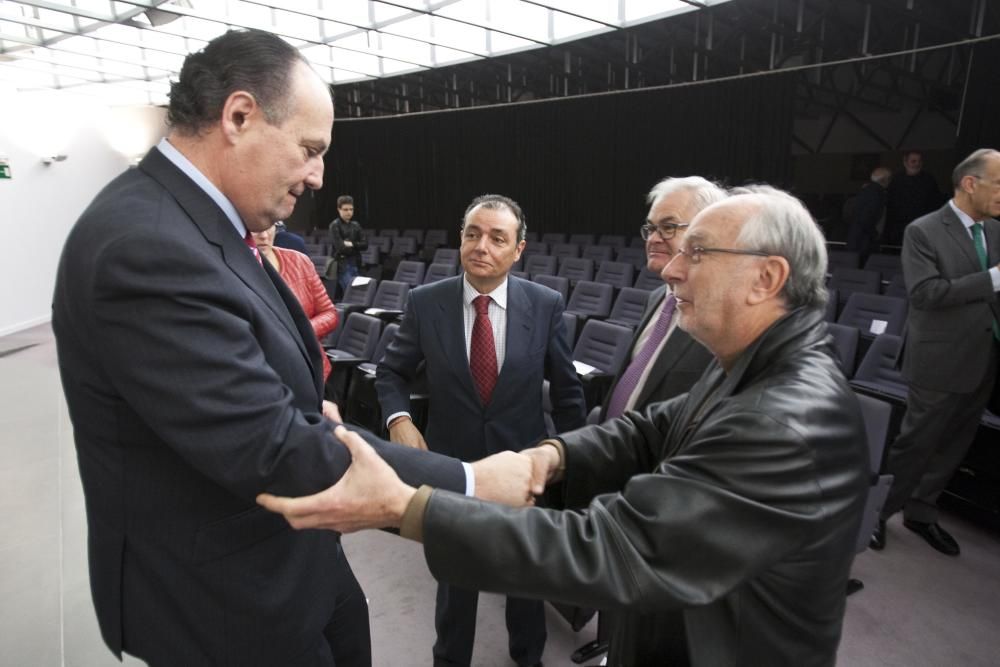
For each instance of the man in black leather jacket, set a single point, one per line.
(347, 241)
(738, 504)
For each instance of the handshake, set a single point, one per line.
(371, 495)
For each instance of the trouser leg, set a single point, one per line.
(348, 631)
(525, 630)
(935, 435)
(951, 450)
(455, 622)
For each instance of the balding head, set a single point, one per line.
(744, 263)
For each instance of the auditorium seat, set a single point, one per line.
(558, 283)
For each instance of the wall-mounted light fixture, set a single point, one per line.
(49, 159)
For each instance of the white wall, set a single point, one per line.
(41, 202)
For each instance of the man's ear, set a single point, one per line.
(968, 184)
(770, 279)
(519, 249)
(238, 112)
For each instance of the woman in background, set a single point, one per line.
(299, 273)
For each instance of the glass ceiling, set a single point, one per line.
(127, 52)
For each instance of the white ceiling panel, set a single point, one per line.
(132, 49)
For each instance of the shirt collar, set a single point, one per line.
(962, 215)
(499, 295)
(192, 172)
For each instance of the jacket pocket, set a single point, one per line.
(236, 533)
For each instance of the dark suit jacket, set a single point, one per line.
(432, 331)
(678, 366)
(193, 382)
(738, 503)
(952, 302)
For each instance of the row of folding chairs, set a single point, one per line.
(574, 270)
(849, 281)
(878, 374)
(597, 252)
(435, 237)
(615, 240)
(619, 274)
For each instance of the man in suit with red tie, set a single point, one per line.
(487, 339)
(950, 264)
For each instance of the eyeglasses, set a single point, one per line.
(666, 230)
(695, 252)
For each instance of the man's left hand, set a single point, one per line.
(369, 495)
(332, 412)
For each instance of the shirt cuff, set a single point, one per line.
(995, 277)
(401, 413)
(412, 524)
(470, 480)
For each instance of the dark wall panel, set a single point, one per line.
(980, 124)
(579, 164)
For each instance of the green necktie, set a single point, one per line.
(977, 239)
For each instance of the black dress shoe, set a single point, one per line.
(878, 536)
(935, 535)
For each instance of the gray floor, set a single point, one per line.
(918, 608)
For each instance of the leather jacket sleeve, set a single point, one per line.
(739, 497)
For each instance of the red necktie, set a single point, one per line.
(482, 351)
(248, 239)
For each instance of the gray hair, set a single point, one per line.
(499, 203)
(780, 224)
(974, 165)
(704, 192)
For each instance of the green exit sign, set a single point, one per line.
(4, 167)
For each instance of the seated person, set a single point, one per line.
(299, 273)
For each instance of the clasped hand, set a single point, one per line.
(371, 495)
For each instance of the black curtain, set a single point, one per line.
(575, 165)
(980, 126)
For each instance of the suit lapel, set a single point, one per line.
(302, 324)
(674, 349)
(519, 325)
(450, 327)
(960, 235)
(219, 231)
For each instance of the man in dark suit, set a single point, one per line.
(674, 360)
(486, 339)
(911, 193)
(950, 265)
(736, 504)
(865, 211)
(193, 381)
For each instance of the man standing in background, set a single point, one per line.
(347, 241)
(864, 213)
(912, 193)
(950, 265)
